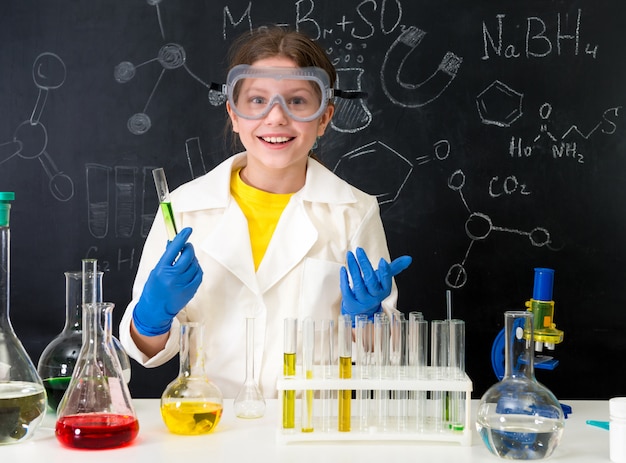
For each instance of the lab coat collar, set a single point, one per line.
(294, 236)
(212, 190)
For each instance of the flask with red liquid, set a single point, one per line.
(96, 411)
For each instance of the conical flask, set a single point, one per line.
(192, 403)
(22, 395)
(58, 359)
(92, 292)
(96, 411)
(518, 418)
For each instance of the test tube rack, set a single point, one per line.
(401, 420)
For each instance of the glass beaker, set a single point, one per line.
(249, 402)
(22, 395)
(191, 404)
(58, 359)
(96, 411)
(518, 418)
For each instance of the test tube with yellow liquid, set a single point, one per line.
(289, 370)
(165, 203)
(345, 370)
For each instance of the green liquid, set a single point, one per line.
(55, 388)
(168, 216)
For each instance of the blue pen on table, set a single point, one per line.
(599, 424)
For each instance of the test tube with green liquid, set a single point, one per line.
(163, 193)
(289, 370)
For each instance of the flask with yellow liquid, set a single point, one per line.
(191, 404)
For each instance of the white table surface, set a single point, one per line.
(235, 440)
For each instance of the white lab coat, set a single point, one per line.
(298, 276)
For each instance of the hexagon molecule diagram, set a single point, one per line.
(377, 169)
(499, 105)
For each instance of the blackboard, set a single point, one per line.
(493, 134)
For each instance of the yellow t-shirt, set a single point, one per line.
(262, 209)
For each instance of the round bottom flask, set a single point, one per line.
(518, 418)
(191, 404)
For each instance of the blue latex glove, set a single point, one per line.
(170, 286)
(369, 287)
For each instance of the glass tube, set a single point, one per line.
(344, 347)
(363, 344)
(418, 360)
(381, 354)
(327, 343)
(308, 349)
(457, 372)
(289, 370)
(440, 345)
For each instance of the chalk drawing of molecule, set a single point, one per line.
(171, 56)
(478, 227)
(30, 140)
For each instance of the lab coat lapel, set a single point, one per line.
(229, 244)
(293, 238)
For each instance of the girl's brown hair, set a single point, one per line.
(274, 41)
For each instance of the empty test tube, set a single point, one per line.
(289, 369)
(363, 346)
(418, 360)
(382, 333)
(439, 360)
(308, 349)
(327, 355)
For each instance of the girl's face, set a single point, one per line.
(276, 141)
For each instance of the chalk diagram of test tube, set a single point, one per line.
(415, 95)
(30, 139)
(112, 196)
(128, 186)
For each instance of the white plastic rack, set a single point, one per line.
(440, 396)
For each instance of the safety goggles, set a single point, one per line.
(303, 93)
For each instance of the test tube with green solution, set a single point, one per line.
(163, 193)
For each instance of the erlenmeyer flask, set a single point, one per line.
(249, 402)
(22, 395)
(96, 411)
(192, 403)
(58, 359)
(92, 292)
(519, 418)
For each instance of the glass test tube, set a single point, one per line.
(381, 355)
(363, 346)
(418, 360)
(165, 203)
(440, 330)
(308, 349)
(399, 359)
(289, 369)
(457, 371)
(344, 345)
(327, 354)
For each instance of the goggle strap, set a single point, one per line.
(349, 94)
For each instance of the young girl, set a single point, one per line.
(275, 234)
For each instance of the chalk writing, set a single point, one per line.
(537, 42)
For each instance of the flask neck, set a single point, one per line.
(191, 350)
(519, 345)
(5, 262)
(76, 295)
